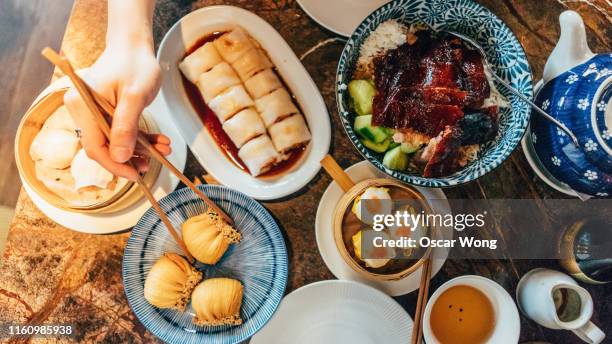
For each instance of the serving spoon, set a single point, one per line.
(512, 89)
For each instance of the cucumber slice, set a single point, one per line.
(377, 147)
(409, 148)
(393, 145)
(363, 126)
(389, 131)
(395, 159)
(362, 92)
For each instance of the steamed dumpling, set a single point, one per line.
(377, 201)
(60, 119)
(217, 301)
(207, 237)
(61, 183)
(54, 148)
(377, 256)
(87, 172)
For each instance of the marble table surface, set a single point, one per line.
(51, 275)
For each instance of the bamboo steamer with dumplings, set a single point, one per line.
(59, 188)
(345, 228)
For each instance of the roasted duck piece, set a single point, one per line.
(444, 159)
(428, 85)
(436, 86)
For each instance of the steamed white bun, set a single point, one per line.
(54, 148)
(87, 172)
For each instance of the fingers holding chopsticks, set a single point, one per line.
(98, 147)
(141, 156)
(93, 139)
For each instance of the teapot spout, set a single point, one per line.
(571, 49)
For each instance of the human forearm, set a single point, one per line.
(128, 76)
(130, 23)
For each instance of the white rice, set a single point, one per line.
(388, 35)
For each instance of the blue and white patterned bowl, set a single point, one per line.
(259, 261)
(503, 51)
(579, 98)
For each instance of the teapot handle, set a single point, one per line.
(571, 49)
(590, 333)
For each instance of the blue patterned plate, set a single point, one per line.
(259, 261)
(503, 50)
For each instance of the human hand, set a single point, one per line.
(128, 76)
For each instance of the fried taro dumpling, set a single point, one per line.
(217, 301)
(170, 282)
(207, 236)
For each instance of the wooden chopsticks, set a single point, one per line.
(417, 327)
(64, 65)
(97, 101)
(346, 183)
(142, 139)
(94, 102)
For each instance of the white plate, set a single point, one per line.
(337, 312)
(340, 16)
(507, 320)
(127, 218)
(205, 21)
(327, 246)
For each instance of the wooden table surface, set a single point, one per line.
(53, 275)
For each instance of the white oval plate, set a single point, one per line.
(337, 312)
(127, 218)
(340, 16)
(324, 229)
(208, 20)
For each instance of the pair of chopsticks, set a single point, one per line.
(346, 183)
(96, 104)
(417, 327)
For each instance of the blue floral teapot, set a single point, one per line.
(577, 91)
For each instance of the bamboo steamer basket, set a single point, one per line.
(32, 123)
(347, 201)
